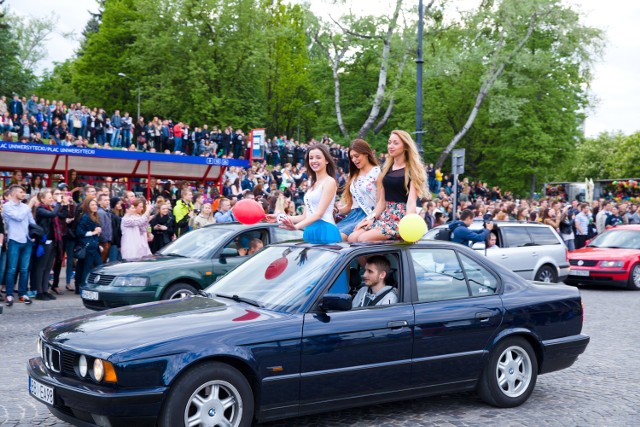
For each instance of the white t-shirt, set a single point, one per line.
(364, 298)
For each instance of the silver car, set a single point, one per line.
(532, 250)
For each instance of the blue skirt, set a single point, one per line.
(321, 232)
(348, 224)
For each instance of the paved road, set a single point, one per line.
(601, 389)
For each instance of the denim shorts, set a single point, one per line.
(348, 224)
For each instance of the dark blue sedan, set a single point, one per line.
(277, 337)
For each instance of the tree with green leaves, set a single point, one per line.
(14, 78)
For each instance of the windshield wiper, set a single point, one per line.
(240, 299)
(174, 254)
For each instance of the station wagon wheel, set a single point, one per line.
(546, 274)
(510, 375)
(179, 290)
(211, 394)
(634, 278)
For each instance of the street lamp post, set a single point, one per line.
(138, 84)
(317, 101)
(419, 62)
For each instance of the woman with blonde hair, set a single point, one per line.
(359, 197)
(400, 183)
(205, 217)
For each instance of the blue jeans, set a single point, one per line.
(69, 244)
(114, 253)
(115, 138)
(177, 144)
(18, 255)
(92, 260)
(126, 137)
(3, 264)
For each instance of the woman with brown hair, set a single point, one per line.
(317, 219)
(135, 240)
(548, 216)
(400, 184)
(359, 197)
(88, 232)
(49, 209)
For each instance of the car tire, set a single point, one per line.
(510, 375)
(213, 392)
(179, 290)
(546, 274)
(634, 277)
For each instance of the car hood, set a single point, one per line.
(148, 265)
(114, 331)
(604, 254)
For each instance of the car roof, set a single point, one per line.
(630, 227)
(238, 226)
(478, 223)
(345, 247)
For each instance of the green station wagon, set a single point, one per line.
(182, 268)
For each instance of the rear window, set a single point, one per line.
(516, 237)
(543, 236)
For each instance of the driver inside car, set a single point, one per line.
(376, 269)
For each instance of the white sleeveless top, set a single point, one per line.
(312, 200)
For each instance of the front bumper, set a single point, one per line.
(86, 404)
(108, 297)
(562, 352)
(618, 278)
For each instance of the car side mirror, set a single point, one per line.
(336, 302)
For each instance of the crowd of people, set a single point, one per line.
(44, 226)
(41, 121)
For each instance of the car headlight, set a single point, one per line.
(611, 264)
(82, 366)
(103, 370)
(98, 370)
(131, 281)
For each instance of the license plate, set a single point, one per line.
(90, 295)
(579, 272)
(41, 391)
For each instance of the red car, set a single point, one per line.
(612, 258)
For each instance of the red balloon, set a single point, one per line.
(276, 268)
(248, 211)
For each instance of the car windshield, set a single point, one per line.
(622, 239)
(277, 278)
(200, 243)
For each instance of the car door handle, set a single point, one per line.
(397, 324)
(484, 316)
(504, 256)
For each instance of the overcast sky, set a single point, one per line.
(616, 83)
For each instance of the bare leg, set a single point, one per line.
(373, 235)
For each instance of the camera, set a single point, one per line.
(196, 211)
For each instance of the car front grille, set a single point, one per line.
(68, 363)
(103, 279)
(583, 262)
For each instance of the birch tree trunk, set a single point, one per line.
(488, 83)
(382, 76)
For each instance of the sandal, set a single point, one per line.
(56, 291)
(70, 289)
